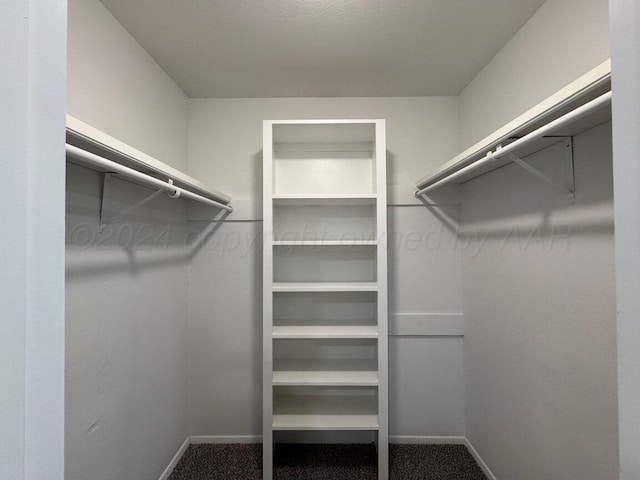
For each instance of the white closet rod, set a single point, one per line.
(113, 167)
(568, 118)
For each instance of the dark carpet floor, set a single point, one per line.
(327, 462)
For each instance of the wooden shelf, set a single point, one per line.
(325, 287)
(95, 141)
(326, 199)
(325, 422)
(327, 243)
(324, 378)
(306, 332)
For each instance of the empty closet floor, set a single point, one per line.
(330, 462)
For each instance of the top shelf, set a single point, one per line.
(586, 89)
(294, 132)
(90, 139)
(315, 157)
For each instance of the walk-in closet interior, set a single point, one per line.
(344, 239)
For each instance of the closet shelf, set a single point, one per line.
(328, 243)
(302, 332)
(325, 287)
(92, 148)
(325, 199)
(325, 378)
(325, 422)
(576, 108)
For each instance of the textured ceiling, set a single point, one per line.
(318, 48)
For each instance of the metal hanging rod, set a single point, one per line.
(508, 150)
(114, 167)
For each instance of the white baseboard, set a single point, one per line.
(426, 440)
(176, 458)
(203, 439)
(479, 460)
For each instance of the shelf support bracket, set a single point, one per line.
(568, 191)
(106, 191)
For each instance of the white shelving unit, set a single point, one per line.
(325, 281)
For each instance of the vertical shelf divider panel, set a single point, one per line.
(325, 343)
(267, 303)
(380, 156)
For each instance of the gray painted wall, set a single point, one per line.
(32, 86)
(116, 87)
(225, 288)
(225, 332)
(625, 25)
(126, 290)
(563, 40)
(540, 330)
(126, 332)
(426, 388)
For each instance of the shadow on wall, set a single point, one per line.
(540, 204)
(152, 236)
(512, 209)
(512, 206)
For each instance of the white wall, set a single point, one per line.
(563, 40)
(540, 330)
(116, 87)
(32, 48)
(625, 25)
(126, 332)
(225, 146)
